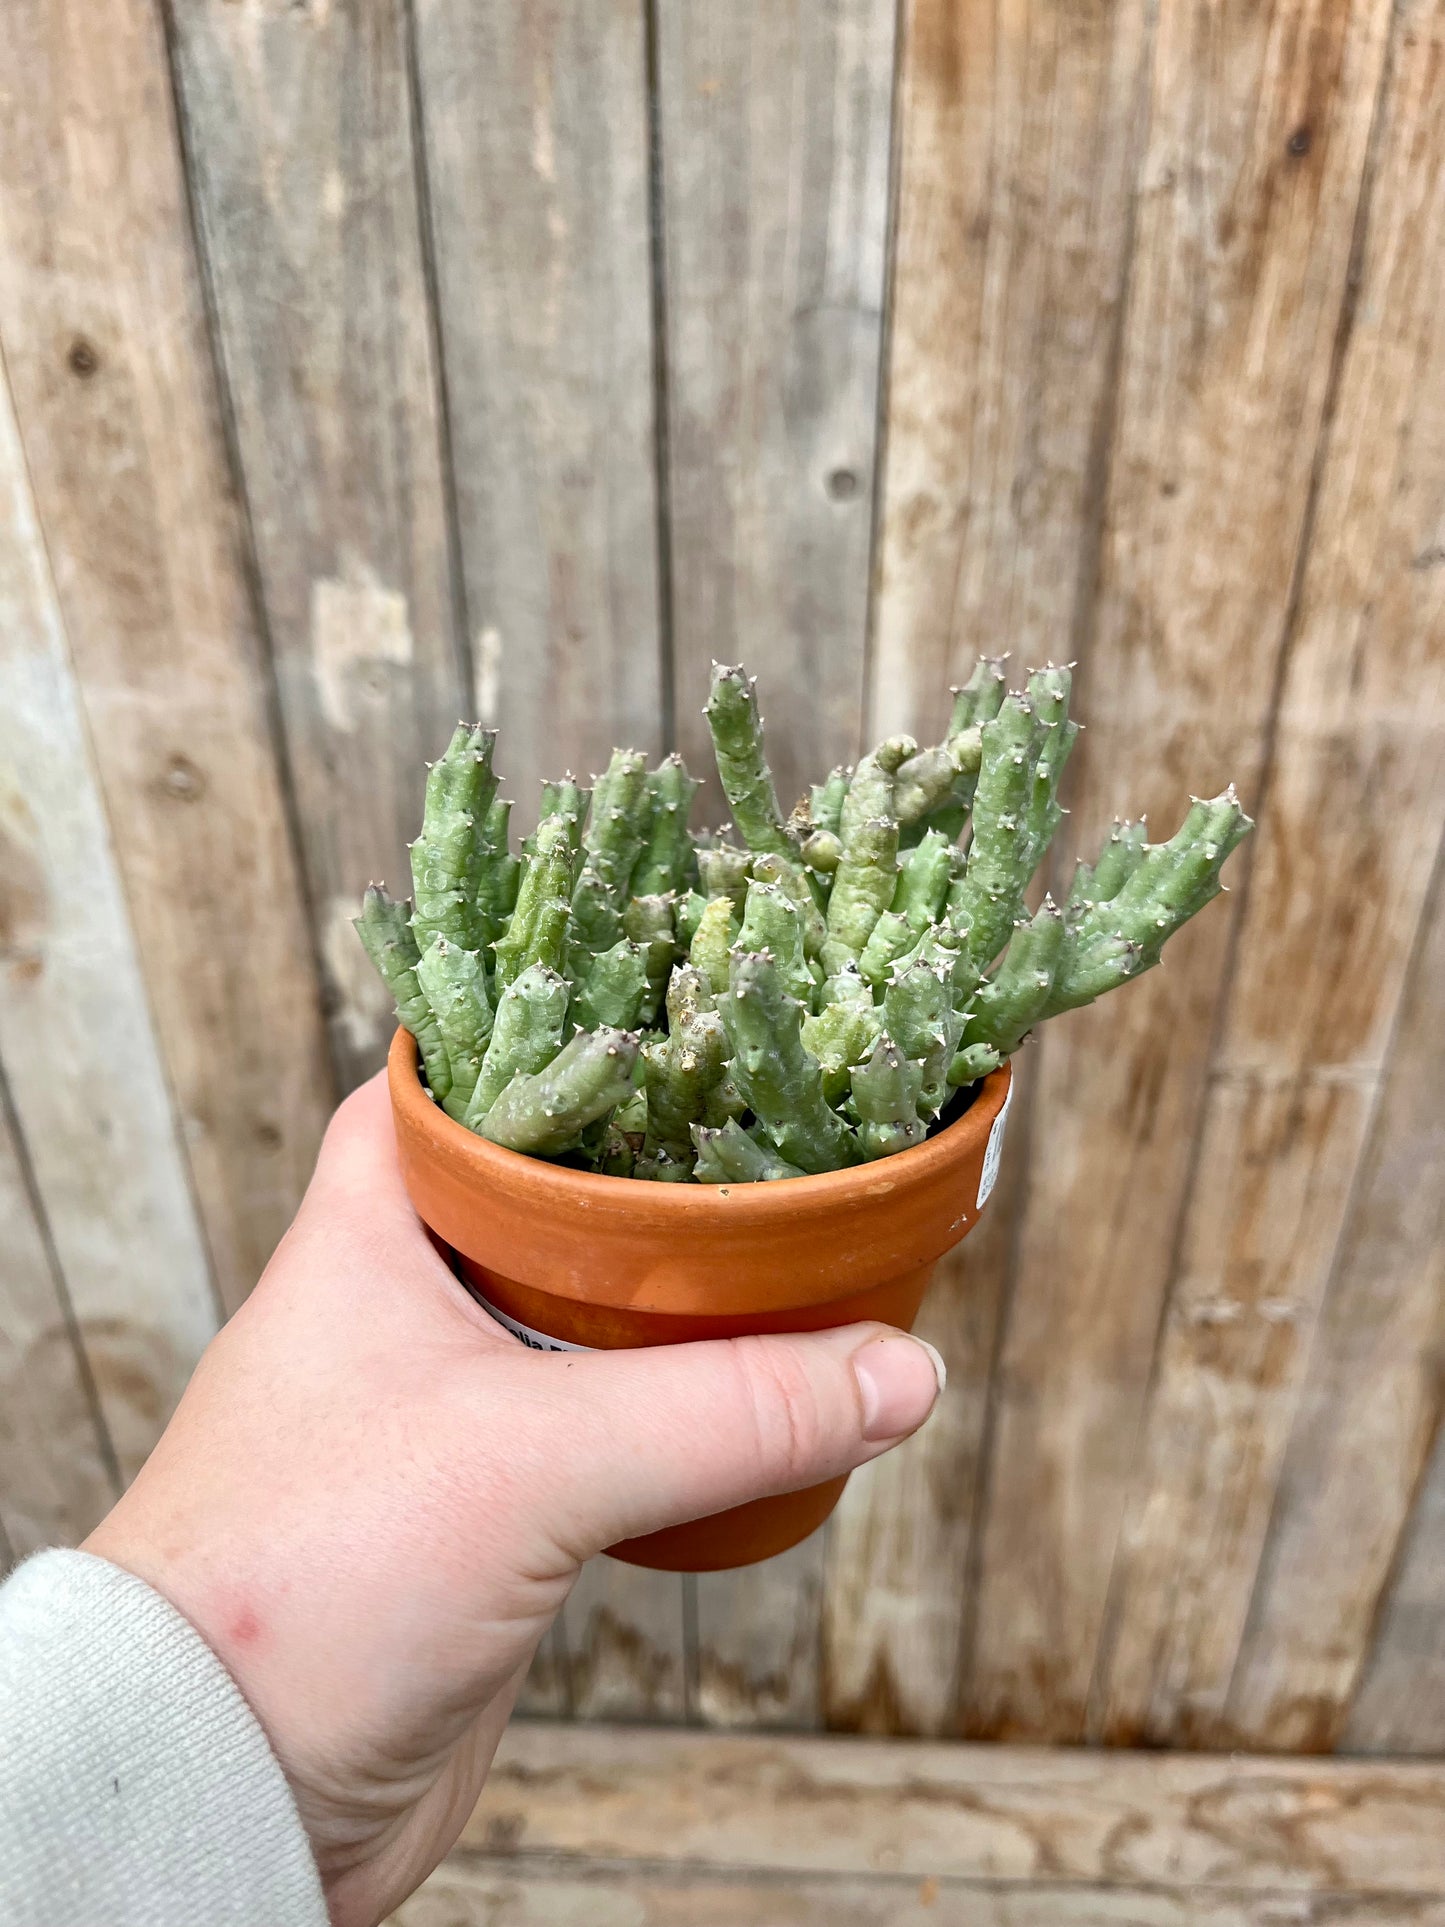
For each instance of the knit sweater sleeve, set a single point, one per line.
(137, 1788)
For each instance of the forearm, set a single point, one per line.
(136, 1787)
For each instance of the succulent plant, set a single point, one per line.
(791, 994)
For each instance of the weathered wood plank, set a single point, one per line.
(1400, 1704)
(622, 1633)
(537, 152)
(470, 1892)
(1018, 149)
(774, 129)
(1326, 937)
(80, 1058)
(899, 1574)
(1009, 1815)
(1259, 124)
(758, 1641)
(55, 1484)
(112, 372)
(299, 137)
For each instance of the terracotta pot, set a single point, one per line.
(566, 1258)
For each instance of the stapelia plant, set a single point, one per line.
(805, 994)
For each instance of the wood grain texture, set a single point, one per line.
(1246, 200)
(758, 1641)
(80, 1057)
(536, 129)
(900, 1547)
(299, 137)
(1370, 1408)
(1326, 936)
(774, 128)
(1008, 1815)
(1400, 1701)
(472, 1892)
(622, 1631)
(55, 1481)
(1018, 149)
(543, 1693)
(112, 374)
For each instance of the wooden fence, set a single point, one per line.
(371, 361)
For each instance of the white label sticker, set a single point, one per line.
(993, 1152)
(538, 1341)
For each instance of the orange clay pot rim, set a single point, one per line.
(759, 1201)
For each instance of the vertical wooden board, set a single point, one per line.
(775, 131)
(1369, 1408)
(1018, 144)
(298, 131)
(1400, 1704)
(55, 1484)
(1259, 124)
(76, 1042)
(1326, 935)
(535, 123)
(758, 1639)
(113, 380)
(622, 1629)
(901, 1546)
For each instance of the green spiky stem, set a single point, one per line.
(713, 941)
(1122, 936)
(683, 1069)
(797, 884)
(989, 897)
(596, 918)
(723, 871)
(771, 922)
(826, 801)
(971, 1063)
(537, 932)
(729, 1156)
(454, 983)
(648, 921)
(980, 699)
(919, 1015)
(922, 887)
(863, 887)
(780, 1079)
(686, 916)
(1118, 860)
(742, 766)
(942, 774)
(822, 852)
(497, 873)
(384, 927)
(615, 992)
(839, 1036)
(527, 1029)
(666, 864)
(619, 823)
(890, 938)
(1049, 691)
(547, 1112)
(460, 786)
(564, 797)
(1007, 1007)
(886, 1098)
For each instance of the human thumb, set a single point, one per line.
(653, 1437)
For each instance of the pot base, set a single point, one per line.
(742, 1536)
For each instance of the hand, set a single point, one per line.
(372, 1501)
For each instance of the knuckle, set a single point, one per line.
(789, 1429)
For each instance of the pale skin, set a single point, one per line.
(372, 1501)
